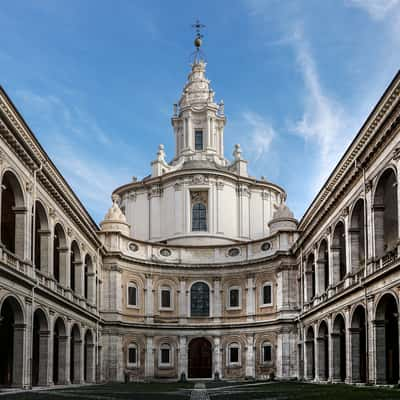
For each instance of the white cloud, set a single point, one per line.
(324, 121)
(261, 135)
(376, 9)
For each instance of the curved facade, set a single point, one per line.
(199, 270)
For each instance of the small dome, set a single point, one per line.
(283, 212)
(115, 219)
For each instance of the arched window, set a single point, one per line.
(200, 300)
(234, 298)
(132, 295)
(132, 356)
(199, 217)
(165, 358)
(233, 354)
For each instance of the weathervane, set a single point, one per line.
(198, 54)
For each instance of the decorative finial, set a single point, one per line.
(198, 54)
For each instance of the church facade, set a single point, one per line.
(200, 271)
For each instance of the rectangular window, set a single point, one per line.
(165, 298)
(198, 140)
(267, 294)
(234, 298)
(267, 353)
(132, 355)
(234, 355)
(132, 296)
(165, 356)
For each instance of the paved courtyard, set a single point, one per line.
(209, 391)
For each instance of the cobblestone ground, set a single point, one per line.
(208, 391)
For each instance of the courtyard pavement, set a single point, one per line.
(206, 391)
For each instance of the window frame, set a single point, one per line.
(129, 285)
(210, 301)
(128, 363)
(165, 346)
(263, 345)
(228, 299)
(262, 304)
(196, 134)
(199, 219)
(237, 363)
(169, 289)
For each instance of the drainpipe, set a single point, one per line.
(33, 265)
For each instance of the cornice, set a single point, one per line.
(364, 148)
(24, 144)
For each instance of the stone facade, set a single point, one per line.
(199, 270)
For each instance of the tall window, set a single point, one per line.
(266, 353)
(266, 294)
(198, 140)
(132, 295)
(165, 298)
(199, 217)
(132, 355)
(234, 354)
(234, 297)
(165, 359)
(200, 300)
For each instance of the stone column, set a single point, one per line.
(79, 278)
(149, 299)
(380, 351)
(43, 358)
(217, 358)
(19, 373)
(347, 343)
(250, 299)
(149, 362)
(91, 295)
(216, 301)
(330, 348)
(355, 355)
(335, 338)
(250, 357)
(44, 237)
(78, 361)
(64, 266)
(316, 353)
(182, 306)
(90, 363)
(183, 357)
(63, 362)
(371, 355)
(20, 224)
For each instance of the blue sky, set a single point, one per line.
(96, 80)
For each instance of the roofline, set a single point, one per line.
(346, 152)
(48, 159)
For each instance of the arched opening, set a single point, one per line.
(310, 354)
(12, 215)
(40, 250)
(200, 358)
(12, 331)
(40, 351)
(59, 352)
(323, 352)
(357, 236)
(88, 364)
(339, 349)
(75, 355)
(387, 340)
(59, 254)
(339, 253)
(358, 346)
(386, 214)
(310, 277)
(75, 267)
(200, 300)
(323, 266)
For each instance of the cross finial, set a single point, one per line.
(198, 26)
